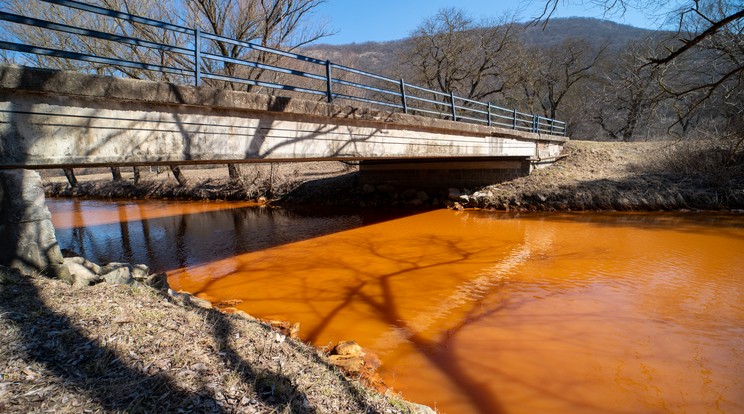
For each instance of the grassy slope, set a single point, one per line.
(121, 349)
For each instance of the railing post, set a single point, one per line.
(329, 82)
(535, 123)
(197, 57)
(454, 109)
(489, 114)
(514, 118)
(403, 95)
(552, 122)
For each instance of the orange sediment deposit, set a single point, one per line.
(358, 362)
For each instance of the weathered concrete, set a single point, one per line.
(55, 119)
(28, 242)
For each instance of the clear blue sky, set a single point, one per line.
(379, 20)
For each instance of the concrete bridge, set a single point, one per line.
(56, 119)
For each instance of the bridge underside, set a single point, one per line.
(52, 119)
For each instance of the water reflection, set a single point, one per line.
(171, 235)
(487, 313)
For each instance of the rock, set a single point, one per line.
(368, 188)
(349, 363)
(453, 194)
(83, 272)
(158, 281)
(108, 268)
(348, 348)
(408, 195)
(385, 188)
(458, 206)
(285, 328)
(415, 202)
(198, 302)
(420, 409)
(119, 276)
(138, 272)
(83, 262)
(421, 195)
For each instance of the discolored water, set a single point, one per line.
(476, 312)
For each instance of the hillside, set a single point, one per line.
(380, 57)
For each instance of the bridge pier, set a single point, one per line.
(440, 173)
(28, 242)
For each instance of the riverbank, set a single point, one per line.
(597, 176)
(133, 348)
(616, 176)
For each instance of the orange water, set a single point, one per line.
(476, 312)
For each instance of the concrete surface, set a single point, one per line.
(50, 119)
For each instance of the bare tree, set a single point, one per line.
(452, 52)
(279, 24)
(548, 78)
(273, 23)
(626, 94)
(703, 63)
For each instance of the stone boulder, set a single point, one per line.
(83, 272)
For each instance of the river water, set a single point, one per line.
(470, 312)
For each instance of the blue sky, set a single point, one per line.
(380, 20)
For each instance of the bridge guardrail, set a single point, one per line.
(290, 72)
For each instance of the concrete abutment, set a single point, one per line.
(28, 241)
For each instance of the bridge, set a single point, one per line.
(267, 105)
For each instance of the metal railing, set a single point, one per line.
(287, 72)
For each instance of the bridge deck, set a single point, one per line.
(50, 119)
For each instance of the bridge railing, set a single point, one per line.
(191, 56)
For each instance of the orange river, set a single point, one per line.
(470, 312)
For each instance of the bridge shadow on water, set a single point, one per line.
(190, 239)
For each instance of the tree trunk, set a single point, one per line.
(234, 173)
(71, 179)
(182, 181)
(136, 171)
(116, 173)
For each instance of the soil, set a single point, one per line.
(120, 348)
(645, 176)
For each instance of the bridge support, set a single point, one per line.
(439, 173)
(28, 242)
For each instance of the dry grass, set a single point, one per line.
(122, 349)
(616, 176)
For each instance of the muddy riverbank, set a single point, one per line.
(592, 176)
